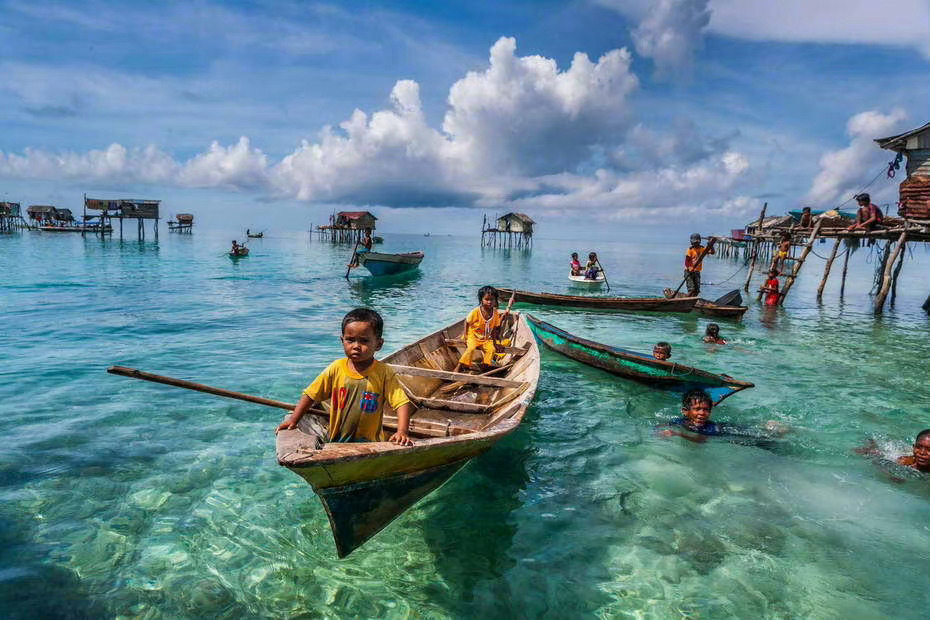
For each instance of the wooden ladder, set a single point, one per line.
(799, 262)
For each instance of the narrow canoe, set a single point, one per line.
(654, 304)
(380, 264)
(637, 366)
(365, 486)
(242, 251)
(710, 308)
(256, 235)
(583, 280)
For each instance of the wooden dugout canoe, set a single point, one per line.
(637, 366)
(365, 486)
(651, 304)
(381, 264)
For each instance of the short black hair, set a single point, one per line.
(487, 290)
(922, 434)
(863, 198)
(364, 315)
(663, 345)
(712, 328)
(574, 254)
(695, 396)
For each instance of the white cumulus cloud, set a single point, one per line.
(843, 172)
(671, 34)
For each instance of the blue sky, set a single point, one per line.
(595, 117)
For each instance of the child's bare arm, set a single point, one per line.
(303, 406)
(403, 426)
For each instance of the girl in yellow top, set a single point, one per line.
(480, 326)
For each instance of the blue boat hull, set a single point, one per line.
(379, 264)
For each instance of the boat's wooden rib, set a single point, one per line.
(637, 366)
(364, 486)
(650, 304)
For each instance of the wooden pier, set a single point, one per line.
(346, 227)
(11, 218)
(122, 209)
(182, 223)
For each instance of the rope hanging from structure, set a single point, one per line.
(884, 170)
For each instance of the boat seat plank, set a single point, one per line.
(416, 371)
(453, 405)
(458, 342)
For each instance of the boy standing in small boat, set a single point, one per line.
(692, 265)
(358, 386)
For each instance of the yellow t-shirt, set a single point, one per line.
(480, 328)
(357, 399)
(691, 257)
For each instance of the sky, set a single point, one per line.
(597, 118)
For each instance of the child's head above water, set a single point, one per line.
(712, 330)
(696, 405)
(922, 450)
(662, 351)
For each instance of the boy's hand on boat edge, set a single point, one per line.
(401, 439)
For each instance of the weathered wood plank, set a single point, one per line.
(416, 371)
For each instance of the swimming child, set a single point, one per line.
(575, 265)
(712, 334)
(771, 289)
(480, 327)
(920, 459)
(592, 267)
(662, 351)
(358, 385)
(696, 425)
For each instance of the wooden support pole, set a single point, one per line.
(845, 266)
(826, 269)
(789, 281)
(886, 276)
(755, 246)
(894, 278)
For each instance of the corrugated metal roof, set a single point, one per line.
(898, 141)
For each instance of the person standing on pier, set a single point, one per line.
(693, 264)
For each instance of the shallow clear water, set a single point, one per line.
(120, 498)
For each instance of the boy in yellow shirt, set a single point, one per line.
(481, 327)
(358, 386)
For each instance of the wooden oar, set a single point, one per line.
(199, 387)
(697, 263)
(604, 271)
(352, 260)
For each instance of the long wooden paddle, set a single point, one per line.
(352, 260)
(604, 271)
(697, 263)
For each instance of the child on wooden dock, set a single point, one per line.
(662, 351)
(358, 386)
(481, 326)
(712, 334)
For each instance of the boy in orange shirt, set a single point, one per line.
(358, 385)
(692, 267)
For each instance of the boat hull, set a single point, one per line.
(709, 308)
(600, 279)
(649, 304)
(365, 486)
(379, 264)
(636, 366)
(240, 254)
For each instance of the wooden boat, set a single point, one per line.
(240, 252)
(365, 486)
(637, 366)
(710, 308)
(255, 235)
(380, 264)
(600, 279)
(653, 304)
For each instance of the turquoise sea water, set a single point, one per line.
(125, 499)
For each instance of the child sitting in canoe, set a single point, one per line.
(712, 334)
(662, 351)
(358, 386)
(575, 265)
(592, 267)
(695, 424)
(482, 327)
